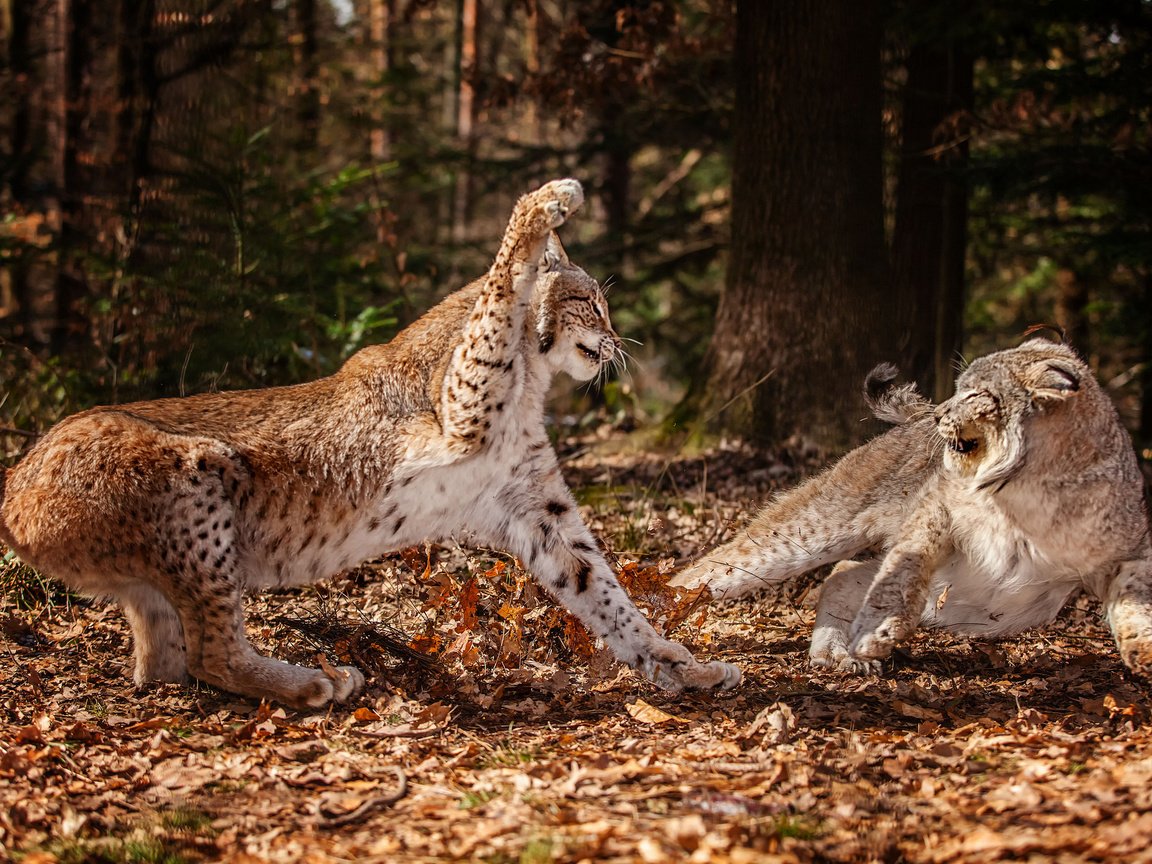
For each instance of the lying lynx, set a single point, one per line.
(990, 510)
(175, 507)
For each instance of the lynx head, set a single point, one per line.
(572, 323)
(1001, 399)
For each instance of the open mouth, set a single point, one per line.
(963, 445)
(594, 356)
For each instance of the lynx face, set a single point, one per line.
(575, 331)
(985, 426)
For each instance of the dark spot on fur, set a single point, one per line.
(556, 508)
(582, 577)
(373, 524)
(202, 465)
(399, 524)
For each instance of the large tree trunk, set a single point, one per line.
(930, 233)
(804, 313)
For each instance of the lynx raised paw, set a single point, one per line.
(554, 202)
(673, 667)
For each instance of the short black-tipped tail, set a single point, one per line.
(892, 402)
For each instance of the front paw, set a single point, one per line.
(1137, 656)
(554, 202)
(672, 667)
(876, 640)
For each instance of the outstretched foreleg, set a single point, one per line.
(542, 527)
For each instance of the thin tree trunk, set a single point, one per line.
(465, 119)
(307, 72)
(379, 27)
(805, 312)
(73, 180)
(14, 287)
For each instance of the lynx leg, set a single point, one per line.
(219, 654)
(895, 600)
(1128, 608)
(841, 597)
(481, 373)
(157, 636)
(546, 533)
(202, 567)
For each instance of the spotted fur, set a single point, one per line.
(176, 507)
(989, 511)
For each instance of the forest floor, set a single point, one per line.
(521, 742)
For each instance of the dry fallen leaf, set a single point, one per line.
(650, 714)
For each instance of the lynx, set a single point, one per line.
(174, 508)
(988, 512)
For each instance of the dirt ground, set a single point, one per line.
(518, 741)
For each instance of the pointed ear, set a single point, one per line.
(554, 255)
(1053, 381)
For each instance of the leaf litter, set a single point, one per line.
(493, 729)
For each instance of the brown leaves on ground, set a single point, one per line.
(522, 742)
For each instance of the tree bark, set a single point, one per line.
(73, 178)
(307, 72)
(465, 118)
(804, 313)
(929, 238)
(379, 35)
(14, 288)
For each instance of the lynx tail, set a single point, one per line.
(892, 402)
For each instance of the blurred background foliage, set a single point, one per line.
(201, 194)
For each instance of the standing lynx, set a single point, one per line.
(989, 511)
(174, 508)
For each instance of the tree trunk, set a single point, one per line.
(307, 73)
(14, 288)
(465, 119)
(930, 234)
(379, 32)
(73, 178)
(803, 315)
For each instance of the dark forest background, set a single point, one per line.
(238, 193)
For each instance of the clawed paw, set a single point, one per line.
(673, 667)
(337, 685)
(557, 201)
(877, 642)
(846, 664)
